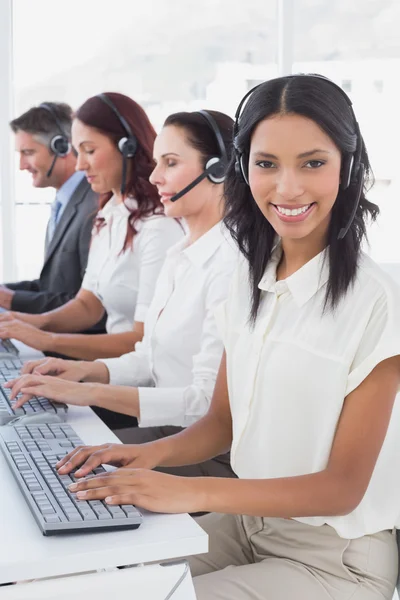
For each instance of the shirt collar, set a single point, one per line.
(202, 249)
(65, 192)
(113, 207)
(304, 283)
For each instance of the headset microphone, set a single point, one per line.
(198, 179)
(215, 167)
(49, 172)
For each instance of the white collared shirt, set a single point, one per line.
(181, 349)
(288, 378)
(124, 281)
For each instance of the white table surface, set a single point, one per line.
(26, 352)
(152, 582)
(26, 554)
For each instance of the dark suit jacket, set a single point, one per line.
(65, 260)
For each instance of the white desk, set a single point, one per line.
(26, 554)
(153, 582)
(26, 352)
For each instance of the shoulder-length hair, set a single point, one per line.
(96, 113)
(317, 99)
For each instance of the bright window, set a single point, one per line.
(169, 56)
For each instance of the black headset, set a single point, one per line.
(352, 169)
(216, 166)
(60, 144)
(128, 144)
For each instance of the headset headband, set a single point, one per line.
(57, 121)
(127, 145)
(115, 110)
(221, 144)
(302, 75)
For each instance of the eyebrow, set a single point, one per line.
(169, 154)
(85, 142)
(302, 155)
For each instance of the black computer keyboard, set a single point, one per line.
(44, 410)
(32, 453)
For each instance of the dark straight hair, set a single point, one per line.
(319, 100)
(200, 135)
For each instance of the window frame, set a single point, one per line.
(7, 214)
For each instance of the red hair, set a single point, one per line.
(95, 113)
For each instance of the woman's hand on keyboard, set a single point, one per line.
(60, 390)
(26, 333)
(71, 370)
(12, 315)
(151, 490)
(89, 458)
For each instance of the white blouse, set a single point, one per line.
(124, 281)
(288, 378)
(178, 359)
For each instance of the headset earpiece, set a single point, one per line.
(60, 146)
(216, 169)
(241, 166)
(128, 146)
(216, 166)
(347, 172)
(244, 167)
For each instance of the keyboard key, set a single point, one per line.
(116, 512)
(46, 509)
(128, 509)
(73, 515)
(66, 445)
(88, 515)
(34, 487)
(51, 518)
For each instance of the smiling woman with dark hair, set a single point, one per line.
(306, 389)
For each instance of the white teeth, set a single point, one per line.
(294, 212)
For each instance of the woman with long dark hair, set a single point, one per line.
(114, 141)
(306, 391)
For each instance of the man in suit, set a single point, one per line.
(43, 140)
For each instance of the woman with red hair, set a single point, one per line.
(114, 140)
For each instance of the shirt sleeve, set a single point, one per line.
(381, 339)
(183, 406)
(156, 237)
(132, 369)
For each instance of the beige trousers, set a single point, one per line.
(254, 558)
